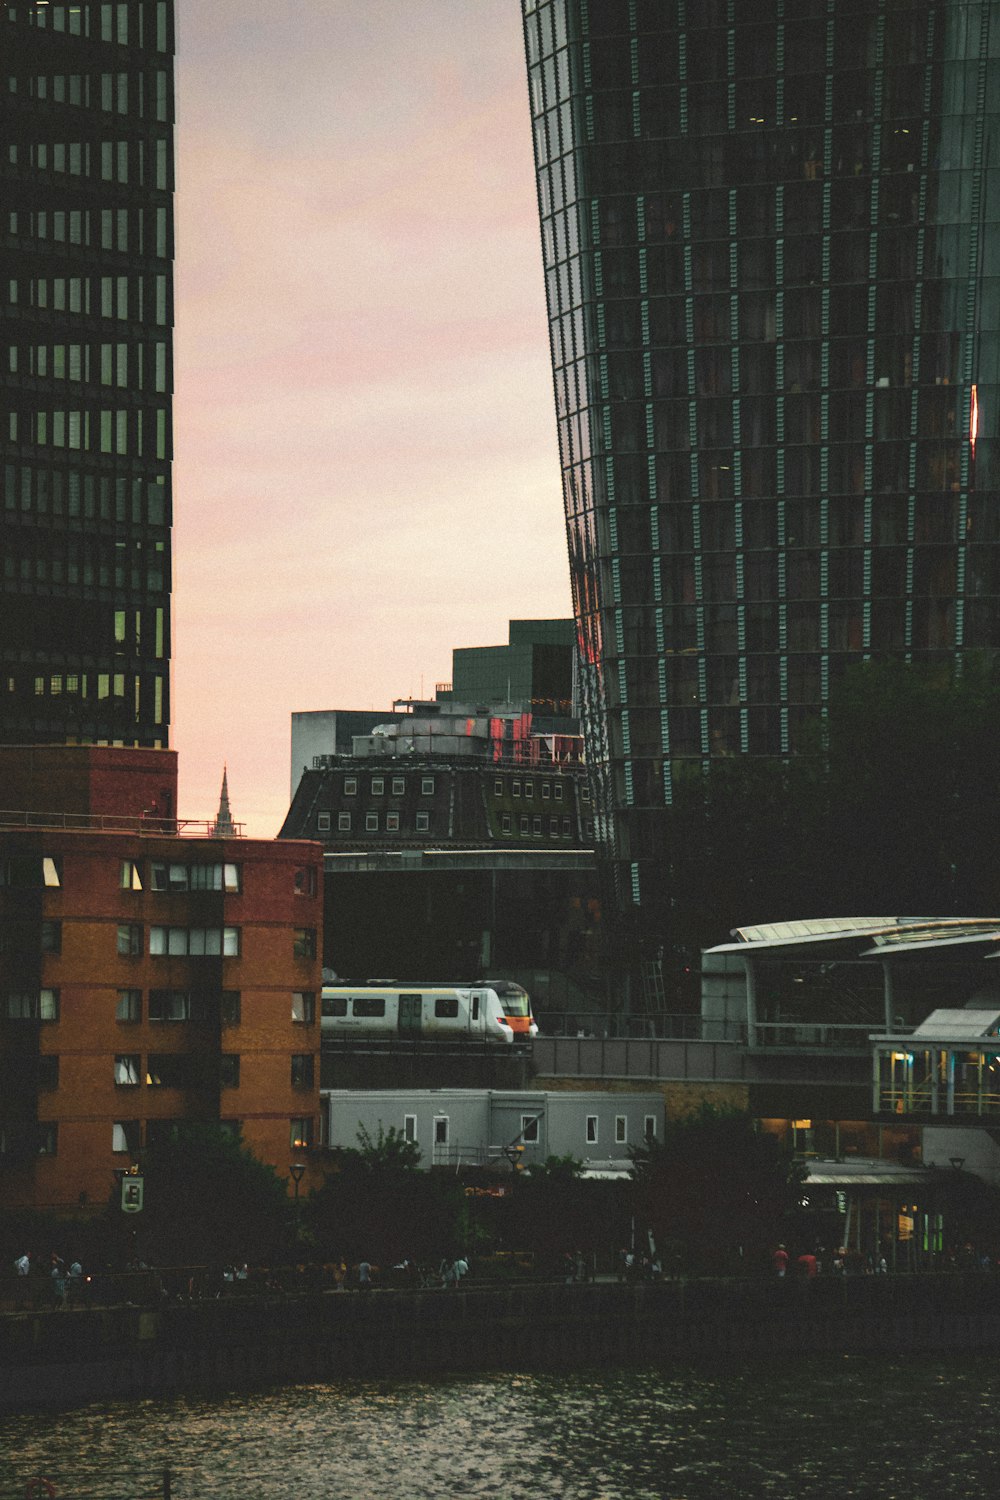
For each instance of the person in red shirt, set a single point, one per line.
(779, 1260)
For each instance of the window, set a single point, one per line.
(229, 1070)
(303, 1007)
(545, 789)
(128, 1069)
(591, 1130)
(131, 880)
(48, 1071)
(229, 1008)
(649, 1128)
(440, 1130)
(392, 822)
(171, 1005)
(565, 828)
(304, 942)
(31, 1005)
(202, 877)
(536, 825)
(302, 1070)
(557, 791)
(529, 1129)
(505, 822)
(585, 793)
(125, 1137)
(350, 786)
(28, 871)
(369, 1006)
(498, 787)
(409, 1127)
(423, 822)
(398, 786)
(335, 1005)
(427, 786)
(371, 822)
(305, 881)
(529, 788)
(129, 939)
(446, 1005)
(554, 828)
(323, 822)
(169, 1070)
(300, 1133)
(51, 937)
(378, 786)
(129, 1005)
(48, 1138)
(621, 1129)
(524, 823)
(516, 789)
(194, 942)
(344, 822)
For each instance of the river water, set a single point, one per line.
(815, 1427)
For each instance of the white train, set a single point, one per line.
(495, 1012)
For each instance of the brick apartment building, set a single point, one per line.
(151, 973)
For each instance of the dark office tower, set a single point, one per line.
(773, 267)
(86, 244)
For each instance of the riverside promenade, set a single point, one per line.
(67, 1357)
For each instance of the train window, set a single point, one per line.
(369, 1005)
(446, 1005)
(475, 1007)
(335, 1005)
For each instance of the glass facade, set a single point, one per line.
(86, 248)
(771, 250)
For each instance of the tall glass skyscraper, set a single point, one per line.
(86, 247)
(772, 257)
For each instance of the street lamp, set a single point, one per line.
(958, 1162)
(297, 1168)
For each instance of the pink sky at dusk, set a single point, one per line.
(366, 468)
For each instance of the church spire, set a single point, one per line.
(223, 827)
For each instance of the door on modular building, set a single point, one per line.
(410, 1007)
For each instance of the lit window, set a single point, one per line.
(131, 880)
(300, 1133)
(305, 881)
(125, 1137)
(128, 1070)
(304, 942)
(303, 1007)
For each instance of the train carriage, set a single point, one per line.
(497, 1012)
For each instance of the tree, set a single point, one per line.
(715, 1192)
(378, 1204)
(208, 1200)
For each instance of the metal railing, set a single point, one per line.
(685, 1027)
(114, 823)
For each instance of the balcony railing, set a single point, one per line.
(151, 827)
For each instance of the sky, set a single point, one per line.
(366, 467)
